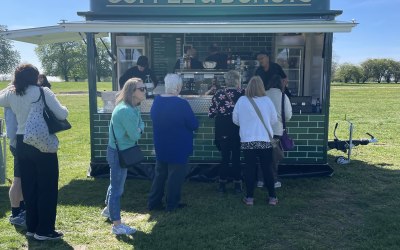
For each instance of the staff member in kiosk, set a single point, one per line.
(190, 53)
(141, 70)
(267, 69)
(218, 57)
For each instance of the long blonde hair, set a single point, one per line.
(127, 91)
(255, 87)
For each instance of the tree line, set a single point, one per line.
(68, 60)
(371, 70)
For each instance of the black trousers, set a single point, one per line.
(251, 157)
(174, 175)
(230, 152)
(39, 180)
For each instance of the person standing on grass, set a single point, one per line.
(127, 125)
(227, 137)
(17, 217)
(173, 125)
(39, 170)
(255, 137)
(43, 82)
(275, 90)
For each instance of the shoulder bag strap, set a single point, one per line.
(43, 97)
(283, 111)
(115, 138)
(260, 116)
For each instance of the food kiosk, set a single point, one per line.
(298, 35)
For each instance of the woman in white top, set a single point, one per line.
(39, 171)
(255, 137)
(274, 92)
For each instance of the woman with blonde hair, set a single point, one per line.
(127, 126)
(255, 114)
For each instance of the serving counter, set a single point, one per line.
(307, 130)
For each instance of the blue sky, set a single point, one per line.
(377, 35)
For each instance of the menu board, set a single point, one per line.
(165, 50)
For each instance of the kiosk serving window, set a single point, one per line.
(129, 48)
(291, 61)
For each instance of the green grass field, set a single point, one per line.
(357, 208)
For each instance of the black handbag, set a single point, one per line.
(129, 157)
(286, 142)
(53, 123)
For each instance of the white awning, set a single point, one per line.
(75, 30)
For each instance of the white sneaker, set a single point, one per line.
(122, 229)
(278, 184)
(105, 212)
(260, 184)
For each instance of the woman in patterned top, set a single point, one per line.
(227, 137)
(256, 136)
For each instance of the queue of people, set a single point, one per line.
(246, 121)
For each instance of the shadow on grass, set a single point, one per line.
(5, 203)
(358, 202)
(57, 244)
(92, 192)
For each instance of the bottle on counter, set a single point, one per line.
(149, 86)
(229, 58)
(181, 63)
(238, 62)
(318, 106)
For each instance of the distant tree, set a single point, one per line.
(104, 61)
(375, 69)
(80, 71)
(69, 60)
(9, 58)
(334, 67)
(349, 72)
(392, 70)
(396, 71)
(61, 59)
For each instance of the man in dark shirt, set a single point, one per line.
(267, 69)
(218, 57)
(194, 62)
(141, 70)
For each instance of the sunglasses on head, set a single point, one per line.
(142, 89)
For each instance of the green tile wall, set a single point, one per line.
(306, 130)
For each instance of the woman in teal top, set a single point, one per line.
(128, 126)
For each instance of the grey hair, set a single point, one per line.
(232, 78)
(173, 84)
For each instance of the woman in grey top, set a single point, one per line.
(39, 170)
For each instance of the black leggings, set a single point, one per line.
(230, 152)
(265, 158)
(39, 179)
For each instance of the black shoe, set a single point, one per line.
(238, 188)
(52, 236)
(180, 206)
(221, 188)
(158, 207)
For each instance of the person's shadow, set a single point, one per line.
(49, 244)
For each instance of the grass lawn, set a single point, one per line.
(357, 208)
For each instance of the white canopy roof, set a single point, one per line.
(74, 31)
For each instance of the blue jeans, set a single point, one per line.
(175, 173)
(117, 183)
